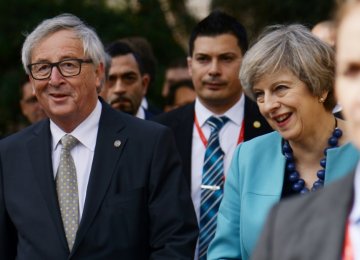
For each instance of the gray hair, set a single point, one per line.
(295, 48)
(107, 66)
(93, 47)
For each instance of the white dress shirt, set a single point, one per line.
(228, 135)
(82, 153)
(355, 217)
(140, 113)
(143, 106)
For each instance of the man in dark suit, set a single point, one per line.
(216, 47)
(309, 227)
(90, 182)
(325, 225)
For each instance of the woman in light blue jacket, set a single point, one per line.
(290, 74)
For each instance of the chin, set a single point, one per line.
(288, 136)
(356, 141)
(62, 112)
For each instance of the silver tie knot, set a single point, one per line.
(68, 142)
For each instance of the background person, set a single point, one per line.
(29, 104)
(181, 93)
(127, 83)
(177, 70)
(325, 31)
(143, 48)
(290, 73)
(216, 48)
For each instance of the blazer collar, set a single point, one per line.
(39, 148)
(183, 125)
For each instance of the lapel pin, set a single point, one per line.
(117, 143)
(257, 124)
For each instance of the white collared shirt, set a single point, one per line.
(82, 153)
(355, 217)
(140, 113)
(229, 135)
(144, 103)
(143, 106)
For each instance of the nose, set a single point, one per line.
(214, 68)
(119, 86)
(270, 103)
(55, 77)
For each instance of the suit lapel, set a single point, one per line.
(39, 148)
(109, 146)
(333, 225)
(183, 135)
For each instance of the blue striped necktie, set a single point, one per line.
(212, 185)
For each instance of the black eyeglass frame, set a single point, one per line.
(56, 64)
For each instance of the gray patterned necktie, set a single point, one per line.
(67, 189)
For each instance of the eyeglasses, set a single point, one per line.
(67, 68)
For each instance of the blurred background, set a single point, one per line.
(166, 24)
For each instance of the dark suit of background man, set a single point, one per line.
(216, 47)
(133, 200)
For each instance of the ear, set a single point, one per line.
(323, 97)
(189, 62)
(100, 75)
(32, 84)
(145, 79)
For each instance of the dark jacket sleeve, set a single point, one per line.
(8, 237)
(174, 229)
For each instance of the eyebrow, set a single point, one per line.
(61, 59)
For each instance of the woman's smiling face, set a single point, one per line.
(287, 104)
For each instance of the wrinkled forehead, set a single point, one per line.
(59, 44)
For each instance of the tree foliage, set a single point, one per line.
(256, 14)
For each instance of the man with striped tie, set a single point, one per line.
(208, 130)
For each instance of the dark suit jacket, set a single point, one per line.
(154, 110)
(309, 227)
(137, 204)
(181, 121)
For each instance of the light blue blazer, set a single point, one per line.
(254, 184)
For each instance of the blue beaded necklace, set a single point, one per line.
(297, 183)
